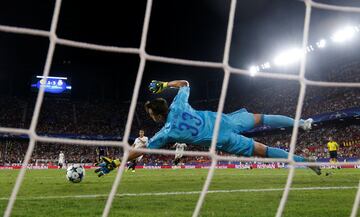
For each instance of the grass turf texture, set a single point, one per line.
(39, 184)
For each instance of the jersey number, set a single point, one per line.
(193, 129)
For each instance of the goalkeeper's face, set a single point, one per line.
(157, 109)
(155, 117)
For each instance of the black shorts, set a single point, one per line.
(333, 154)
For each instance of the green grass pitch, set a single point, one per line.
(48, 193)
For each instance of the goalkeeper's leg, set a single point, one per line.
(284, 121)
(262, 150)
(241, 145)
(246, 121)
(277, 121)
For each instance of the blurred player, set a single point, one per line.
(180, 148)
(61, 160)
(333, 148)
(184, 124)
(139, 142)
(106, 166)
(100, 152)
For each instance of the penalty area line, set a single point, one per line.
(181, 193)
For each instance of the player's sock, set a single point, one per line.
(279, 121)
(130, 166)
(279, 153)
(176, 161)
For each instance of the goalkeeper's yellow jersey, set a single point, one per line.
(333, 146)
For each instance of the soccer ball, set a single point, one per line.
(75, 173)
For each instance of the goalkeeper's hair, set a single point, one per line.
(158, 106)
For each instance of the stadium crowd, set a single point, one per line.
(108, 118)
(312, 143)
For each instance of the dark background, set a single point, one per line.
(184, 29)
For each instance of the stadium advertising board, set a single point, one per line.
(54, 85)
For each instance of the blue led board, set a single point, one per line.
(55, 85)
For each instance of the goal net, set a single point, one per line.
(145, 57)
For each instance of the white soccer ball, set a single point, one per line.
(75, 173)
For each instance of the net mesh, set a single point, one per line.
(144, 57)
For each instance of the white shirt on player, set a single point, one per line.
(180, 148)
(61, 158)
(139, 143)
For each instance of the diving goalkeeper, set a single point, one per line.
(184, 124)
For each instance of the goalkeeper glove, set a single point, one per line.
(107, 165)
(157, 86)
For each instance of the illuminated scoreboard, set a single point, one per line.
(55, 85)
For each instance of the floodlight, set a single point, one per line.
(288, 57)
(321, 43)
(253, 70)
(266, 65)
(344, 34)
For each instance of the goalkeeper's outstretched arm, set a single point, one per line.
(178, 83)
(159, 86)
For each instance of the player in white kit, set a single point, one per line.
(180, 148)
(138, 143)
(61, 160)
